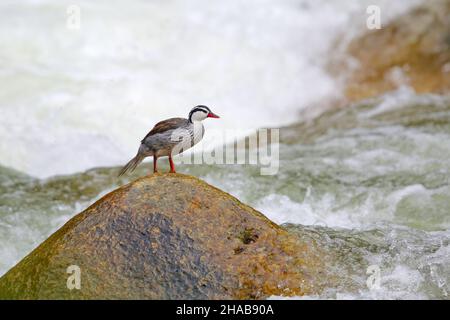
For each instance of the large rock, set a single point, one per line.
(167, 237)
(412, 50)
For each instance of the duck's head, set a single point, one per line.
(200, 113)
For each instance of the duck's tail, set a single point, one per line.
(132, 164)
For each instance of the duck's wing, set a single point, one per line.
(166, 125)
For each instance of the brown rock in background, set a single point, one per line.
(414, 49)
(168, 237)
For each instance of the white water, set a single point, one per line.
(76, 99)
(72, 100)
(379, 188)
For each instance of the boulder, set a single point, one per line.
(167, 236)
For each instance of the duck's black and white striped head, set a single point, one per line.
(200, 113)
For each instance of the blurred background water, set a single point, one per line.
(367, 178)
(92, 93)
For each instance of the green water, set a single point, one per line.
(368, 182)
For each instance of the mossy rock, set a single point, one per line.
(167, 236)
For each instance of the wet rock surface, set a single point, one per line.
(168, 236)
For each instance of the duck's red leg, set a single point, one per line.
(172, 165)
(155, 166)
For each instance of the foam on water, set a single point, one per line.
(372, 186)
(412, 264)
(91, 94)
(380, 178)
(387, 167)
(354, 188)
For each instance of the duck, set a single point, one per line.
(170, 137)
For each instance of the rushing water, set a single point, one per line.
(91, 93)
(369, 182)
